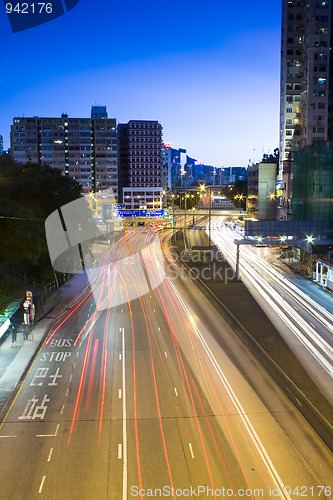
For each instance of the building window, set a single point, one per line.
(320, 81)
(289, 132)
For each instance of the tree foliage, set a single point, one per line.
(28, 194)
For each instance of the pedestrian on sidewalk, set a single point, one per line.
(14, 336)
(25, 332)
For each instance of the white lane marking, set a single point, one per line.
(120, 329)
(77, 354)
(70, 378)
(154, 310)
(49, 435)
(67, 392)
(122, 310)
(191, 450)
(176, 392)
(119, 451)
(119, 357)
(7, 437)
(165, 354)
(50, 455)
(41, 485)
(119, 394)
(313, 326)
(74, 365)
(62, 409)
(159, 329)
(124, 424)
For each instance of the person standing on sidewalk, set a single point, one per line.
(14, 336)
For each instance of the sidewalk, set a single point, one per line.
(14, 361)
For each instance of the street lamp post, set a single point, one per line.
(203, 188)
(241, 197)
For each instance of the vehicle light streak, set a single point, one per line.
(245, 419)
(312, 341)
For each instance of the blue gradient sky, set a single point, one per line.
(208, 71)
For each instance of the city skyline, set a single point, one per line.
(212, 84)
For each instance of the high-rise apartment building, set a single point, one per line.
(306, 110)
(83, 148)
(141, 165)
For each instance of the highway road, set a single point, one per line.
(306, 324)
(141, 385)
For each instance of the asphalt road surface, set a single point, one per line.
(132, 392)
(305, 321)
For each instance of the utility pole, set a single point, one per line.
(237, 263)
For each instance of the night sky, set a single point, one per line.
(208, 71)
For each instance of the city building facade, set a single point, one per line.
(166, 158)
(142, 170)
(83, 148)
(306, 112)
(261, 190)
(313, 184)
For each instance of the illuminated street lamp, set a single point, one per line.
(241, 197)
(203, 188)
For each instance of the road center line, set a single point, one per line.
(50, 455)
(70, 378)
(159, 329)
(165, 354)
(176, 392)
(41, 485)
(62, 409)
(191, 450)
(124, 423)
(7, 437)
(119, 357)
(119, 451)
(119, 394)
(67, 392)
